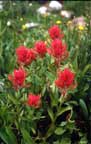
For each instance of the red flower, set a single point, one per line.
(25, 55)
(58, 50)
(40, 48)
(34, 100)
(55, 32)
(17, 78)
(65, 79)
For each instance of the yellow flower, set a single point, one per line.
(24, 27)
(45, 15)
(21, 19)
(80, 27)
(69, 22)
(58, 22)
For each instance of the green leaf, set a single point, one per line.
(26, 136)
(50, 130)
(13, 99)
(11, 135)
(7, 136)
(4, 136)
(71, 102)
(70, 125)
(63, 123)
(59, 131)
(65, 140)
(43, 90)
(83, 140)
(50, 76)
(57, 142)
(75, 63)
(50, 112)
(63, 110)
(86, 87)
(84, 108)
(87, 67)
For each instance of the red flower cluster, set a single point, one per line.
(58, 50)
(24, 55)
(55, 32)
(17, 78)
(40, 48)
(65, 79)
(34, 100)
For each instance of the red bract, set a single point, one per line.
(34, 100)
(40, 48)
(58, 50)
(55, 32)
(18, 78)
(24, 55)
(65, 79)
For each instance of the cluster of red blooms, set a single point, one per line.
(17, 78)
(25, 56)
(40, 48)
(65, 79)
(57, 49)
(34, 100)
(55, 32)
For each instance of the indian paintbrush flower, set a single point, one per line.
(40, 48)
(55, 32)
(24, 55)
(65, 80)
(58, 50)
(17, 78)
(34, 100)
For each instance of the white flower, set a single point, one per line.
(1, 2)
(33, 24)
(8, 23)
(66, 14)
(42, 10)
(30, 25)
(55, 5)
(30, 4)
(14, 4)
(1, 6)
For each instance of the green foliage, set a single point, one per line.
(84, 108)
(83, 6)
(7, 135)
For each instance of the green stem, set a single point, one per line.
(52, 126)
